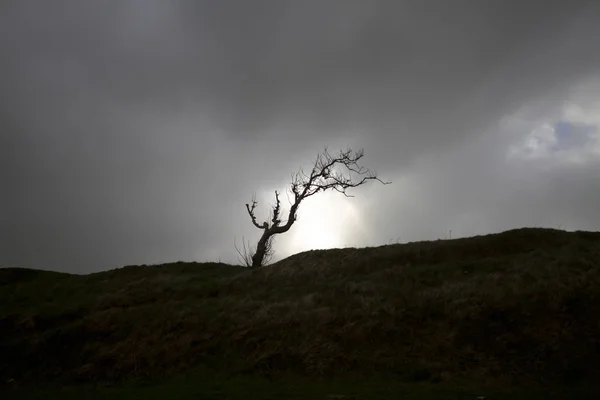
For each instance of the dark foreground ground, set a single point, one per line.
(512, 315)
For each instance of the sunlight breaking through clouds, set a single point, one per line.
(327, 221)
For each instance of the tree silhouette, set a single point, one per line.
(329, 172)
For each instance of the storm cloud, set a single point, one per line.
(135, 131)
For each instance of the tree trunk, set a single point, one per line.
(261, 249)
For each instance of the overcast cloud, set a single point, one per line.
(134, 132)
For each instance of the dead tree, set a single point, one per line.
(329, 172)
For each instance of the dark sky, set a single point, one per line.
(134, 132)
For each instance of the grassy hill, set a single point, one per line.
(504, 310)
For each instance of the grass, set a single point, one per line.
(244, 387)
(508, 314)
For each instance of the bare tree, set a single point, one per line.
(329, 172)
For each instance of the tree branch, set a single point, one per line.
(250, 209)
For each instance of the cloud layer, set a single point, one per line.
(134, 131)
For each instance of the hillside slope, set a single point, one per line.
(520, 306)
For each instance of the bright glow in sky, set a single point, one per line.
(326, 220)
(320, 227)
